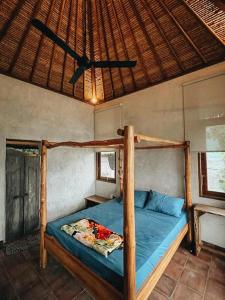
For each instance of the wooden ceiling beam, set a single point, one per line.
(160, 29)
(75, 39)
(50, 12)
(140, 58)
(99, 8)
(148, 38)
(91, 46)
(122, 42)
(90, 29)
(197, 50)
(203, 22)
(99, 46)
(84, 40)
(63, 2)
(114, 45)
(84, 24)
(220, 4)
(36, 9)
(68, 31)
(13, 15)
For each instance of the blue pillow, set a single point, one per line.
(140, 197)
(165, 204)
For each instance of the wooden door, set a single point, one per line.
(22, 194)
(14, 194)
(31, 194)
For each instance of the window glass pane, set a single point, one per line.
(108, 167)
(216, 171)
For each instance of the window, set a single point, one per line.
(106, 166)
(212, 175)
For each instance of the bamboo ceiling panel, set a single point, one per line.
(168, 38)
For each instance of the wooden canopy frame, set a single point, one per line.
(101, 288)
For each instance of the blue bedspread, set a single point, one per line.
(154, 234)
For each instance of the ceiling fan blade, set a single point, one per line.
(114, 64)
(52, 36)
(77, 74)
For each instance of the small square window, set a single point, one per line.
(106, 166)
(212, 175)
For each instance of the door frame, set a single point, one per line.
(17, 143)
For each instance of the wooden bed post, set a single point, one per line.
(43, 210)
(129, 218)
(120, 171)
(188, 195)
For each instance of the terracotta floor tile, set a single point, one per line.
(184, 251)
(214, 290)
(174, 270)
(183, 292)
(2, 256)
(66, 288)
(84, 296)
(6, 291)
(15, 265)
(3, 276)
(196, 264)
(58, 280)
(36, 292)
(218, 256)
(217, 272)
(194, 280)
(55, 283)
(24, 281)
(155, 295)
(219, 261)
(166, 285)
(205, 256)
(180, 258)
(50, 296)
(51, 274)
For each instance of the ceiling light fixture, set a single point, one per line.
(94, 100)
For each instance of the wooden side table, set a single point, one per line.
(95, 200)
(201, 209)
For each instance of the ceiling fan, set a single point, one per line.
(83, 62)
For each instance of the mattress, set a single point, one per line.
(154, 234)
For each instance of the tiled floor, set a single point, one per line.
(186, 277)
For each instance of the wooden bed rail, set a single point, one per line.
(141, 137)
(90, 144)
(180, 146)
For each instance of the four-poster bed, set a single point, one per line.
(99, 286)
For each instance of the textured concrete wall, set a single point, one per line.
(204, 103)
(157, 111)
(32, 113)
(160, 111)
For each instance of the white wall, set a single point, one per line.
(107, 121)
(160, 111)
(32, 113)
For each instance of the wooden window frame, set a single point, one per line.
(98, 169)
(203, 184)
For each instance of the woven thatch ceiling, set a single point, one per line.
(168, 38)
